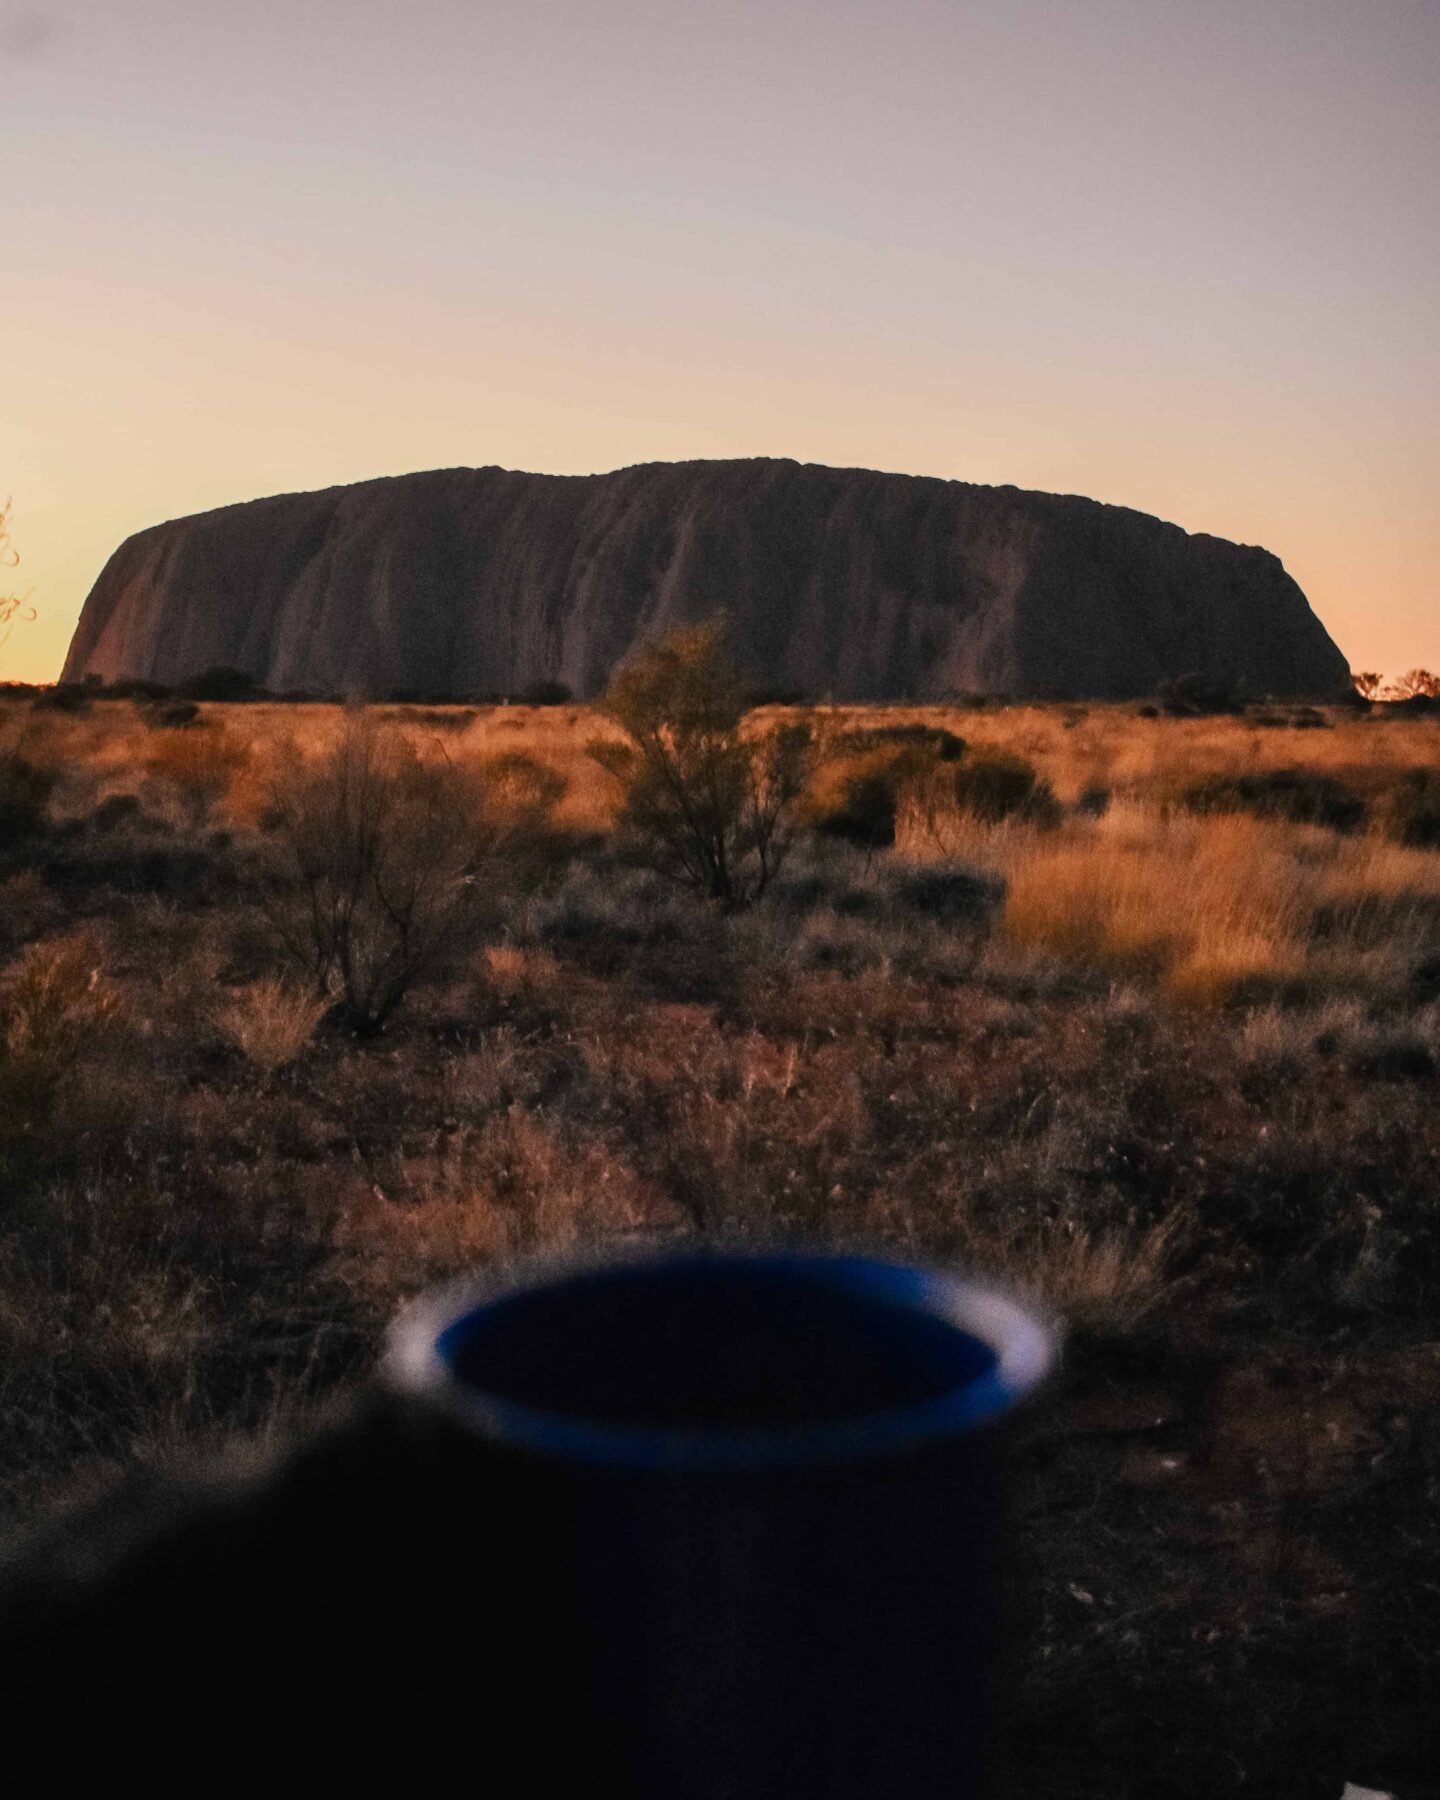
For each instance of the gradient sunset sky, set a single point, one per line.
(1183, 255)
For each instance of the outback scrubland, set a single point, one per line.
(1140, 1013)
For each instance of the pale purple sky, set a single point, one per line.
(1185, 257)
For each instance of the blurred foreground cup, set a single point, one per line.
(770, 1488)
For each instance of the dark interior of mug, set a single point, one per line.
(716, 1343)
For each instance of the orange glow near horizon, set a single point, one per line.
(1135, 258)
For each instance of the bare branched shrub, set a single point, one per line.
(703, 803)
(271, 1022)
(12, 606)
(382, 852)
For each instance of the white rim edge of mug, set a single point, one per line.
(1024, 1343)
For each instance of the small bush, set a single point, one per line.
(24, 792)
(115, 812)
(995, 785)
(860, 803)
(1193, 696)
(702, 803)
(171, 716)
(547, 693)
(381, 852)
(952, 895)
(1301, 796)
(1299, 718)
(221, 683)
(54, 1003)
(1412, 813)
(137, 689)
(1094, 802)
(521, 788)
(864, 810)
(933, 741)
(64, 697)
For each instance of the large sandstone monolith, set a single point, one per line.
(839, 582)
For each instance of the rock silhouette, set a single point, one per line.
(839, 582)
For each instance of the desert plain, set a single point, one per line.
(1146, 1025)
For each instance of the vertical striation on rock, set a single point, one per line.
(839, 582)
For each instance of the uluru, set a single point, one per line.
(840, 583)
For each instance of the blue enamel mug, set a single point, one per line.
(762, 1493)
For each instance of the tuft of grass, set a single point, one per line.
(1094, 1276)
(272, 1022)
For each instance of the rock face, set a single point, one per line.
(839, 582)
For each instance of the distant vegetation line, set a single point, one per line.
(1181, 696)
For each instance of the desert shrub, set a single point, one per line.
(24, 792)
(863, 810)
(199, 763)
(702, 803)
(952, 894)
(1301, 796)
(1094, 802)
(56, 1001)
(137, 689)
(270, 1022)
(1190, 696)
(860, 800)
(933, 740)
(172, 715)
(220, 683)
(1412, 810)
(521, 788)
(1299, 718)
(64, 697)
(116, 811)
(380, 882)
(995, 785)
(547, 693)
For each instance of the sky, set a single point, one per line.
(1181, 255)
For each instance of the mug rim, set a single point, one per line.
(1021, 1341)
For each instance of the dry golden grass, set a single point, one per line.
(56, 997)
(271, 1022)
(1100, 1277)
(1209, 908)
(1201, 905)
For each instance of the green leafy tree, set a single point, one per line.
(704, 801)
